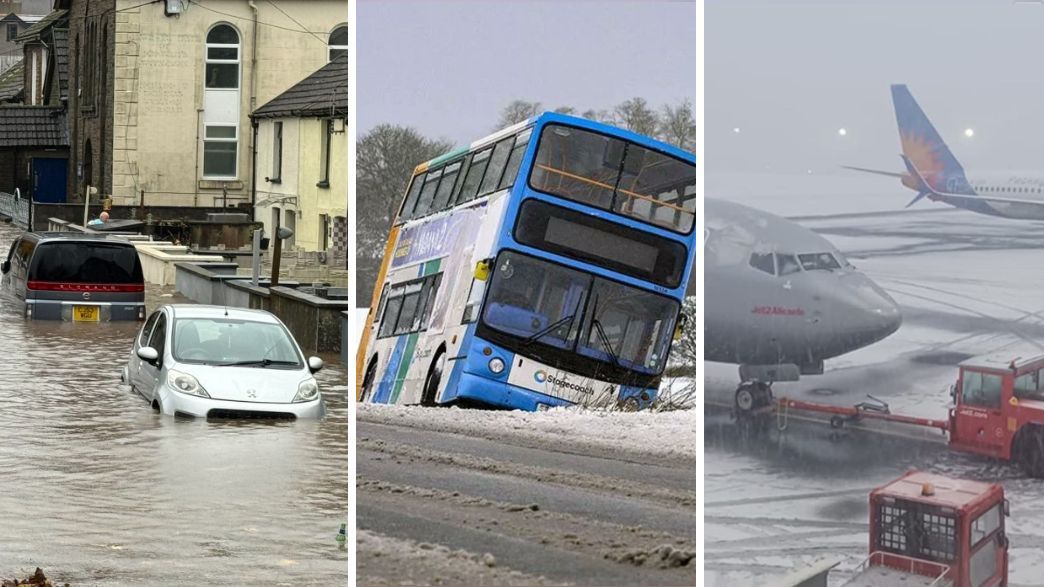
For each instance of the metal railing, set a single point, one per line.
(901, 562)
(16, 207)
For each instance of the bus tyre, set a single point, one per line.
(1029, 451)
(367, 386)
(431, 384)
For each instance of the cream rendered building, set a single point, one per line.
(301, 174)
(165, 91)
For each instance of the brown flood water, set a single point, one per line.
(98, 489)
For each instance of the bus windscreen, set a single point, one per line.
(617, 175)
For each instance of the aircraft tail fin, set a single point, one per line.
(919, 182)
(923, 146)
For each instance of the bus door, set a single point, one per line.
(979, 425)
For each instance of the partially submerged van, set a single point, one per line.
(75, 277)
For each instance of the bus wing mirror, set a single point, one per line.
(5, 267)
(1006, 507)
(482, 269)
(679, 328)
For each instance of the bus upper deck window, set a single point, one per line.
(515, 161)
(479, 162)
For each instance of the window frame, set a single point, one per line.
(426, 290)
(612, 207)
(326, 131)
(330, 48)
(277, 152)
(207, 60)
(206, 140)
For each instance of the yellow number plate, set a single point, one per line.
(86, 313)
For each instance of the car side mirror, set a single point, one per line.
(149, 355)
(315, 364)
(5, 267)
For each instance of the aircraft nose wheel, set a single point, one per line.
(750, 398)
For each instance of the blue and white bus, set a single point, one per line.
(541, 266)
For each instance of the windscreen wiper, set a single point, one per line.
(258, 362)
(605, 341)
(545, 331)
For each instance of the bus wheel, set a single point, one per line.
(1029, 451)
(367, 386)
(431, 384)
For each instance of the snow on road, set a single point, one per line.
(661, 434)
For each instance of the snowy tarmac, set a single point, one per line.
(450, 496)
(967, 284)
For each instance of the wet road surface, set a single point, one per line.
(98, 489)
(544, 514)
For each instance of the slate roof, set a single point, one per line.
(12, 82)
(32, 33)
(32, 126)
(324, 93)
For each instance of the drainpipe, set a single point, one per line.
(253, 106)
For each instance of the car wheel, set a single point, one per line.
(431, 384)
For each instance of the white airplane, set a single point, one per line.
(933, 172)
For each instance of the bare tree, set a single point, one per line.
(636, 116)
(386, 157)
(678, 125)
(517, 111)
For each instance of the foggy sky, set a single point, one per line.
(448, 67)
(790, 74)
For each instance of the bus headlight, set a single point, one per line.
(496, 365)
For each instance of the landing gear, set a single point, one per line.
(752, 397)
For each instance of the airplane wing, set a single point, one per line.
(925, 188)
(876, 171)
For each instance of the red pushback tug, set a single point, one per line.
(997, 410)
(927, 530)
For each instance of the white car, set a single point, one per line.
(210, 361)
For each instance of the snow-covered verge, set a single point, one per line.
(383, 560)
(661, 434)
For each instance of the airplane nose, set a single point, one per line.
(872, 314)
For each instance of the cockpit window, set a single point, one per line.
(818, 262)
(763, 262)
(787, 264)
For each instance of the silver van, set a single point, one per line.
(75, 277)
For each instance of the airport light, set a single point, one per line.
(735, 129)
(969, 132)
(842, 131)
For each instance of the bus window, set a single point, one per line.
(431, 287)
(427, 195)
(411, 197)
(449, 181)
(391, 315)
(576, 164)
(380, 304)
(410, 301)
(515, 160)
(497, 162)
(658, 189)
(479, 162)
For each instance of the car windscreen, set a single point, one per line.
(225, 341)
(86, 262)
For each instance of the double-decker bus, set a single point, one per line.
(541, 266)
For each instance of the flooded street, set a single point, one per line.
(98, 489)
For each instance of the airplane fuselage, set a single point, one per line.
(995, 192)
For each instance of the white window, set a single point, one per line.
(220, 149)
(338, 42)
(277, 152)
(222, 71)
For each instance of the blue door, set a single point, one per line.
(49, 179)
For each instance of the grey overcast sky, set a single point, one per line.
(447, 67)
(790, 74)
